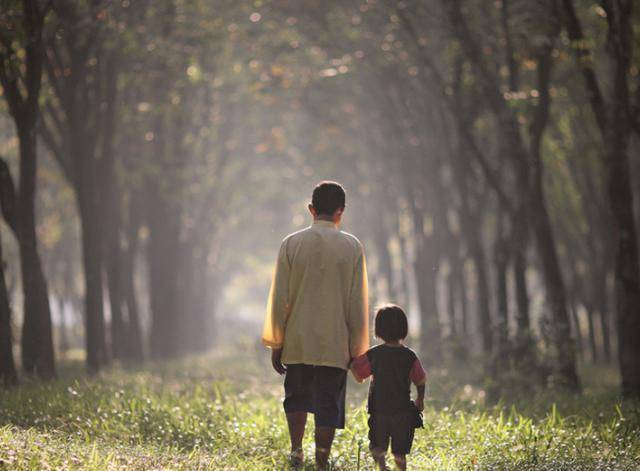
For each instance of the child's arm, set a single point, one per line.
(420, 399)
(360, 368)
(419, 378)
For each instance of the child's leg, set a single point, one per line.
(324, 439)
(401, 461)
(402, 432)
(378, 456)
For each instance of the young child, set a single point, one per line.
(392, 414)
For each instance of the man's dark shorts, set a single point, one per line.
(399, 428)
(320, 390)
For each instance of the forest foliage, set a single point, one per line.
(154, 153)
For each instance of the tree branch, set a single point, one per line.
(9, 80)
(33, 21)
(463, 129)
(584, 59)
(489, 82)
(541, 114)
(56, 149)
(51, 71)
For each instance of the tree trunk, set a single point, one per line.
(576, 326)
(519, 244)
(534, 195)
(627, 269)
(501, 261)
(451, 304)
(615, 128)
(198, 307)
(135, 346)
(92, 246)
(554, 287)
(462, 294)
(384, 257)
(600, 305)
(543, 232)
(627, 263)
(116, 301)
(484, 305)
(8, 374)
(37, 339)
(64, 334)
(592, 334)
(135, 350)
(114, 271)
(426, 273)
(404, 271)
(163, 260)
(472, 235)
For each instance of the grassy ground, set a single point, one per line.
(222, 412)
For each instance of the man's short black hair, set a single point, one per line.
(328, 197)
(391, 323)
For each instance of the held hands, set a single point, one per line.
(276, 361)
(356, 376)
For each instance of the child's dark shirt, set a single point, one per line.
(394, 368)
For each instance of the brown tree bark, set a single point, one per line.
(462, 296)
(80, 134)
(451, 304)
(522, 294)
(114, 271)
(501, 254)
(614, 121)
(380, 239)
(37, 342)
(600, 305)
(92, 247)
(164, 265)
(531, 183)
(8, 374)
(576, 327)
(591, 331)
(135, 345)
(114, 268)
(471, 232)
(164, 248)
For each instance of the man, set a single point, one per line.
(317, 320)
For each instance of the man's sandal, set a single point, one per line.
(296, 459)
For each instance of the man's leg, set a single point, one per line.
(297, 403)
(324, 440)
(401, 461)
(297, 422)
(378, 457)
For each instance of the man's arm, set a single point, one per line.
(359, 309)
(277, 307)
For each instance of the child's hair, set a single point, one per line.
(391, 323)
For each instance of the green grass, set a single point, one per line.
(224, 412)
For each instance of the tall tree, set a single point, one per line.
(527, 163)
(614, 119)
(83, 65)
(21, 79)
(8, 374)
